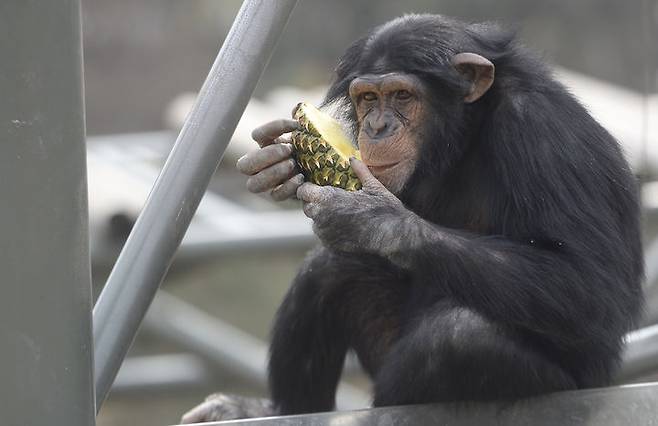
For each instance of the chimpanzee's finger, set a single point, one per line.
(312, 193)
(311, 210)
(267, 133)
(254, 162)
(272, 176)
(369, 182)
(288, 188)
(283, 139)
(198, 414)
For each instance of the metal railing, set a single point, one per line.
(629, 405)
(149, 250)
(41, 134)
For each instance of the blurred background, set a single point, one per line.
(144, 61)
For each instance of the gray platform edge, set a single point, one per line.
(624, 405)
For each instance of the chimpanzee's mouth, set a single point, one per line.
(380, 168)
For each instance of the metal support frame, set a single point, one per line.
(167, 373)
(640, 355)
(620, 406)
(198, 150)
(45, 307)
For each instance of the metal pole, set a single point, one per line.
(159, 229)
(640, 357)
(617, 406)
(45, 290)
(166, 373)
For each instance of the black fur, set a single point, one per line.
(521, 275)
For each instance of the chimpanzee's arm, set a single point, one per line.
(553, 291)
(563, 292)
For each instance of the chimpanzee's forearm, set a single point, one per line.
(548, 291)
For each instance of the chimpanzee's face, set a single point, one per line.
(391, 111)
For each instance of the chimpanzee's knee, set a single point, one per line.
(455, 354)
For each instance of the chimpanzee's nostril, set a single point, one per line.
(380, 127)
(377, 128)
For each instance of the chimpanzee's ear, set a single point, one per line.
(478, 70)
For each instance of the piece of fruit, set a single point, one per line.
(323, 150)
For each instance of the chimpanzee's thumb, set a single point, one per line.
(369, 182)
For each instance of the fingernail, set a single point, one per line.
(250, 185)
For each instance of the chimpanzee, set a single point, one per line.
(493, 252)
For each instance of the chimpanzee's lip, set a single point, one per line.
(378, 168)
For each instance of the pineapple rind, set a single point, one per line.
(322, 149)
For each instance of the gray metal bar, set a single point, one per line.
(651, 258)
(165, 373)
(224, 344)
(45, 289)
(641, 354)
(153, 241)
(620, 406)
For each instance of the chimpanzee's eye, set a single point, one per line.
(403, 95)
(369, 96)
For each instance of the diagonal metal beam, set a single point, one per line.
(149, 250)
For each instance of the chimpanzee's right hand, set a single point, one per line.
(272, 167)
(221, 406)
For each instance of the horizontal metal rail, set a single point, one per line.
(616, 406)
(164, 373)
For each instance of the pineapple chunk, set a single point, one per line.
(323, 150)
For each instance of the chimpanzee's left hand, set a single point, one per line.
(371, 219)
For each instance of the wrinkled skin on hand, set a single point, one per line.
(272, 168)
(220, 406)
(371, 219)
